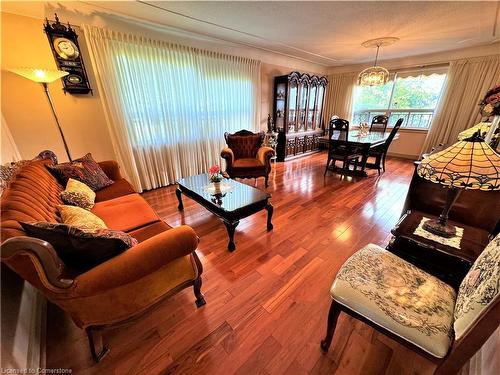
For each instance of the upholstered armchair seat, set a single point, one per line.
(245, 157)
(417, 309)
(399, 297)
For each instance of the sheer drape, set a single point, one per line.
(168, 106)
(466, 84)
(338, 99)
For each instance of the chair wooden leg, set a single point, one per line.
(267, 180)
(98, 349)
(333, 316)
(383, 161)
(327, 165)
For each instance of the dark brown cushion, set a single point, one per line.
(244, 146)
(85, 170)
(80, 249)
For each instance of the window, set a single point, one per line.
(412, 96)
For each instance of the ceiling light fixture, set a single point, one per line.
(375, 75)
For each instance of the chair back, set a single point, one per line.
(379, 123)
(338, 129)
(479, 289)
(393, 133)
(244, 143)
(338, 135)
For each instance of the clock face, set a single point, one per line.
(66, 49)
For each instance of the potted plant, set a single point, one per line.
(215, 177)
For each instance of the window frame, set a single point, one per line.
(410, 111)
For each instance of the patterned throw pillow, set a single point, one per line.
(479, 288)
(85, 170)
(78, 194)
(78, 248)
(81, 218)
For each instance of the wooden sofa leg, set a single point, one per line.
(333, 316)
(98, 349)
(200, 299)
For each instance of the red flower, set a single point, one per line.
(214, 169)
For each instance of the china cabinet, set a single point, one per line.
(298, 105)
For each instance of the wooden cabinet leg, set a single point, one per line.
(178, 193)
(333, 315)
(98, 349)
(231, 226)
(270, 210)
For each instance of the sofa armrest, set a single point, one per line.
(39, 251)
(265, 154)
(138, 261)
(111, 168)
(228, 155)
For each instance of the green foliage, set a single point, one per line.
(421, 92)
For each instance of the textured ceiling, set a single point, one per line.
(327, 33)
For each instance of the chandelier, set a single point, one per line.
(375, 75)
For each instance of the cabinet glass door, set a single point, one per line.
(311, 108)
(319, 107)
(303, 88)
(292, 106)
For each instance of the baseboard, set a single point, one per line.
(403, 156)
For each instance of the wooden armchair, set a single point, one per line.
(246, 157)
(416, 308)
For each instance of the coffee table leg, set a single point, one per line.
(178, 192)
(270, 209)
(231, 226)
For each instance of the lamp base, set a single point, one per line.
(439, 229)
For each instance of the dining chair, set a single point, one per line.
(380, 152)
(338, 146)
(379, 123)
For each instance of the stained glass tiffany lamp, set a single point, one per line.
(468, 164)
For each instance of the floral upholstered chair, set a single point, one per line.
(246, 157)
(417, 309)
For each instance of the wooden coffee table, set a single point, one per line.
(242, 201)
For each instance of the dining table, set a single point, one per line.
(363, 142)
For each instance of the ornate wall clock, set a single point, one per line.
(64, 45)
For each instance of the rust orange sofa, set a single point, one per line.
(116, 291)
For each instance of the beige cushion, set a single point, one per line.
(80, 218)
(78, 194)
(397, 296)
(479, 288)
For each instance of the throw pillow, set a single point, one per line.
(85, 170)
(78, 248)
(478, 289)
(78, 194)
(81, 218)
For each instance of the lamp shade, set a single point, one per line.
(40, 75)
(482, 127)
(468, 164)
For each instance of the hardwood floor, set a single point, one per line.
(267, 302)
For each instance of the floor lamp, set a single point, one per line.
(44, 77)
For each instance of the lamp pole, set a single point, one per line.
(49, 98)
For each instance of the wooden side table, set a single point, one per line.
(445, 262)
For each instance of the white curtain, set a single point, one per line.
(168, 106)
(339, 93)
(467, 82)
